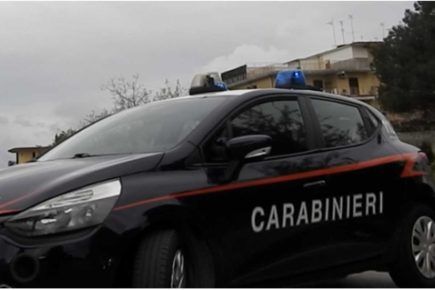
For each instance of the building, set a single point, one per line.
(252, 76)
(344, 70)
(26, 154)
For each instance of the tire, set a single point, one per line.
(156, 256)
(411, 240)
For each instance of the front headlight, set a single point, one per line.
(75, 210)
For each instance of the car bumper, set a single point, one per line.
(85, 260)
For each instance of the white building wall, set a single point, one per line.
(338, 55)
(360, 52)
(293, 65)
(312, 63)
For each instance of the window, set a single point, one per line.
(281, 120)
(318, 84)
(372, 122)
(340, 124)
(354, 86)
(154, 127)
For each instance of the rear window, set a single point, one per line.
(372, 122)
(340, 124)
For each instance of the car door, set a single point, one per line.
(356, 163)
(262, 222)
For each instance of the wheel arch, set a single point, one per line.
(423, 193)
(191, 228)
(411, 193)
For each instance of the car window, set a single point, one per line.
(281, 120)
(372, 122)
(154, 127)
(340, 124)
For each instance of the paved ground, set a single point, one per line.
(363, 280)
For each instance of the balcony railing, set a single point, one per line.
(354, 64)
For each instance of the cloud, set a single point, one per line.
(24, 122)
(4, 120)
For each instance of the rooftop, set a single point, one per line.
(18, 149)
(341, 46)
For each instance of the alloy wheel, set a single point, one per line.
(178, 276)
(423, 246)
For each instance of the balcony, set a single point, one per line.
(355, 64)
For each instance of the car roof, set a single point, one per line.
(256, 92)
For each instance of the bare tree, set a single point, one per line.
(127, 94)
(168, 92)
(62, 136)
(93, 117)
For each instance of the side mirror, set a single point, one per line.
(249, 147)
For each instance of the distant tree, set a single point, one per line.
(88, 120)
(94, 116)
(62, 136)
(405, 62)
(127, 93)
(169, 92)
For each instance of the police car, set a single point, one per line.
(222, 188)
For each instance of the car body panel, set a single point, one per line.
(25, 185)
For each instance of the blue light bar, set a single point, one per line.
(221, 85)
(290, 79)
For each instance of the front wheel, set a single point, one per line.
(415, 258)
(161, 262)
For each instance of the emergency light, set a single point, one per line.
(206, 83)
(290, 79)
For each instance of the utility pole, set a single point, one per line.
(333, 31)
(342, 31)
(383, 29)
(351, 26)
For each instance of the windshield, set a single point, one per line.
(153, 127)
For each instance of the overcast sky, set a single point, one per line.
(54, 57)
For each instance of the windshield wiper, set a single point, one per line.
(81, 155)
(87, 155)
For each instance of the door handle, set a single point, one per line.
(317, 183)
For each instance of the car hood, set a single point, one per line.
(23, 186)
